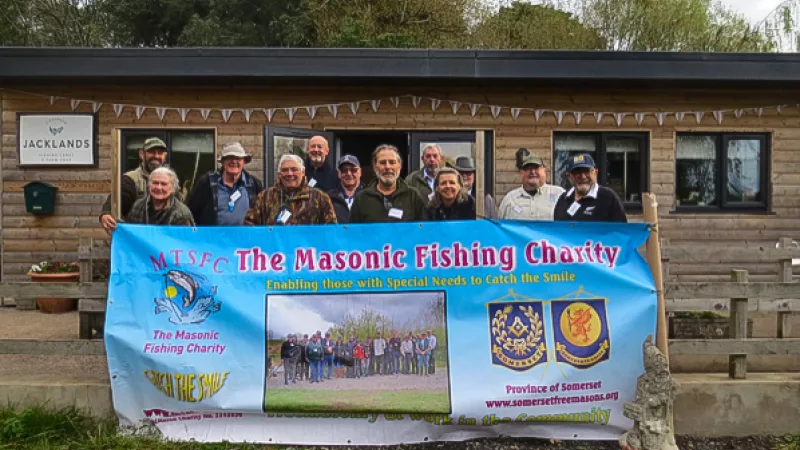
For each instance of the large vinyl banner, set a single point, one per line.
(378, 334)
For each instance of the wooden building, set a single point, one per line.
(714, 136)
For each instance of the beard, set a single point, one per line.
(153, 164)
(583, 188)
(387, 178)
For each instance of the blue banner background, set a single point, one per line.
(240, 322)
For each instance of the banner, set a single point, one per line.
(378, 334)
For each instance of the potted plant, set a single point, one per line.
(55, 272)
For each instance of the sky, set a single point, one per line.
(753, 10)
(293, 313)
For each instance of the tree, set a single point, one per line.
(79, 23)
(523, 25)
(152, 23)
(671, 25)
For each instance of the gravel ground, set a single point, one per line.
(15, 324)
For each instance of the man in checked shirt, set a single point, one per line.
(535, 199)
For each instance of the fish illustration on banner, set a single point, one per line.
(188, 299)
(580, 332)
(518, 334)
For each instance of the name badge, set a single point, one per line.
(312, 182)
(396, 213)
(517, 209)
(573, 208)
(236, 196)
(284, 216)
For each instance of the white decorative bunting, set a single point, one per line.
(270, 113)
(96, 106)
(52, 99)
(312, 111)
(537, 114)
(559, 116)
(738, 113)
(161, 112)
(226, 115)
(395, 102)
(455, 106)
(334, 110)
(183, 112)
(515, 113)
(679, 116)
(495, 111)
(619, 118)
(435, 104)
(759, 111)
(414, 101)
(473, 108)
(118, 109)
(578, 117)
(698, 116)
(376, 105)
(204, 113)
(290, 112)
(660, 116)
(74, 104)
(639, 116)
(598, 116)
(778, 108)
(718, 116)
(247, 113)
(354, 107)
(140, 111)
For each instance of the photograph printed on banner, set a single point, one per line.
(365, 352)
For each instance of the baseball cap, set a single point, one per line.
(532, 159)
(236, 150)
(348, 159)
(153, 142)
(582, 161)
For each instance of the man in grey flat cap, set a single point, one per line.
(223, 196)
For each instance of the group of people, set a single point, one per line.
(309, 191)
(319, 358)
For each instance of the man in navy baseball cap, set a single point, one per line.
(587, 201)
(349, 170)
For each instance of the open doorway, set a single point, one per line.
(361, 144)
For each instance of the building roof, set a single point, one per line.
(223, 65)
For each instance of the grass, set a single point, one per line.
(315, 400)
(70, 429)
(792, 443)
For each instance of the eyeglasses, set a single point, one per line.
(349, 170)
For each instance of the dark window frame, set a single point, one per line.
(601, 139)
(165, 134)
(724, 206)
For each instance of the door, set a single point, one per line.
(475, 144)
(279, 141)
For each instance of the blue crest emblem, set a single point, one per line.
(580, 331)
(517, 334)
(188, 298)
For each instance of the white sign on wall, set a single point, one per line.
(56, 139)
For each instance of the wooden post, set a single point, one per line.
(665, 275)
(737, 362)
(85, 262)
(654, 261)
(480, 182)
(785, 275)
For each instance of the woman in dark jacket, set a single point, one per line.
(450, 201)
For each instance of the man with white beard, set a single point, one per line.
(387, 198)
(535, 199)
(319, 174)
(587, 201)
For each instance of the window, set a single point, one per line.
(721, 171)
(621, 160)
(190, 152)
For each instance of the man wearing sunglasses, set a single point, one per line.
(349, 185)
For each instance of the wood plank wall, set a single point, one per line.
(29, 239)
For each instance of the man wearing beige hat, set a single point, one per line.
(223, 196)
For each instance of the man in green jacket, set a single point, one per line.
(422, 179)
(387, 198)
